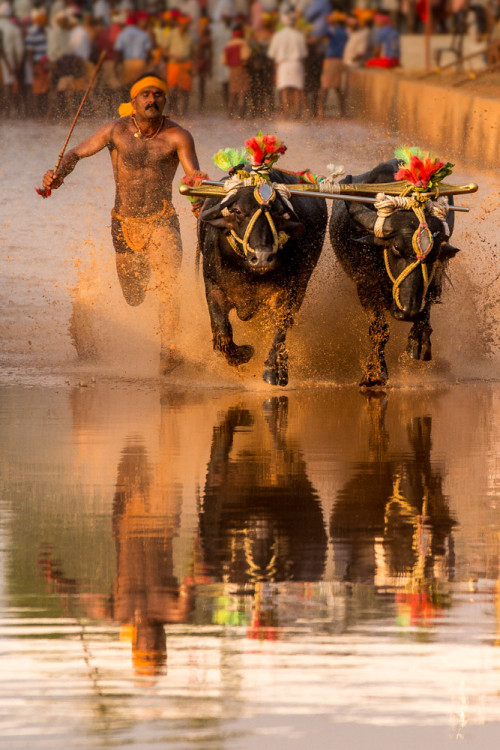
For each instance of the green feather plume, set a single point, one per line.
(227, 158)
(404, 153)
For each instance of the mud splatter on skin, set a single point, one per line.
(61, 305)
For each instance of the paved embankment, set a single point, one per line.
(457, 122)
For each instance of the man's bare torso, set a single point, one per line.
(143, 168)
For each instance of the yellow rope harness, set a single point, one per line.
(264, 198)
(388, 204)
(396, 282)
(421, 543)
(279, 238)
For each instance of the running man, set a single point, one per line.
(146, 147)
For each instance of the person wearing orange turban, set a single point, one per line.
(146, 148)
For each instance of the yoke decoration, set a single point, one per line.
(424, 171)
(252, 167)
(264, 150)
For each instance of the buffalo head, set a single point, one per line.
(415, 255)
(257, 222)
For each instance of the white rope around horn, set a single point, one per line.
(440, 208)
(387, 204)
(234, 183)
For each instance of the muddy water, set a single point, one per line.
(229, 569)
(207, 561)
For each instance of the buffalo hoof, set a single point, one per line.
(239, 355)
(374, 376)
(420, 350)
(426, 352)
(276, 376)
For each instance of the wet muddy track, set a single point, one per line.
(62, 309)
(205, 560)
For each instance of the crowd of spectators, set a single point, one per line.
(260, 54)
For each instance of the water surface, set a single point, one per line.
(231, 569)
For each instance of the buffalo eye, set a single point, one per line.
(236, 211)
(396, 251)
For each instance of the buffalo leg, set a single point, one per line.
(419, 339)
(276, 364)
(222, 330)
(376, 368)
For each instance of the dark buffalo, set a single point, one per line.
(361, 254)
(270, 268)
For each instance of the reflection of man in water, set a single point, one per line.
(145, 147)
(146, 593)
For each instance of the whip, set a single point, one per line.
(45, 193)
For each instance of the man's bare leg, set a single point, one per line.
(133, 269)
(165, 254)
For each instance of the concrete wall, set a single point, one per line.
(455, 122)
(413, 50)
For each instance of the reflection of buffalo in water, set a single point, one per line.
(391, 522)
(260, 519)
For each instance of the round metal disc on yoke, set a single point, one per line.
(264, 193)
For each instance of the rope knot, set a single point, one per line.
(330, 184)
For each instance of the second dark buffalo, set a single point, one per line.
(259, 251)
(388, 274)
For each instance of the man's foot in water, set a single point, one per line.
(170, 359)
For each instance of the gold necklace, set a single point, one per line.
(140, 134)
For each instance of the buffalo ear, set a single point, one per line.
(447, 251)
(291, 227)
(222, 222)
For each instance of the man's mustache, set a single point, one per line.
(153, 105)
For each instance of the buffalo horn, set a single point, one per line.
(213, 212)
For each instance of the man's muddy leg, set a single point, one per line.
(165, 253)
(133, 269)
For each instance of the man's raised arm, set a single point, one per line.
(88, 147)
(187, 153)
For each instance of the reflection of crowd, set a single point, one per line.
(262, 54)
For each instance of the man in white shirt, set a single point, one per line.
(356, 49)
(288, 49)
(79, 39)
(11, 58)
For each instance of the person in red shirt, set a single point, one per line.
(236, 55)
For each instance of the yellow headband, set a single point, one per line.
(126, 108)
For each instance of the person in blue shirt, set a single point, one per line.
(133, 48)
(386, 44)
(333, 65)
(316, 14)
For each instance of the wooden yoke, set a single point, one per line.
(356, 192)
